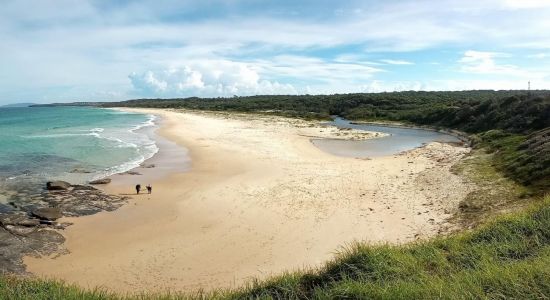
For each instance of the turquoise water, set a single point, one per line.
(76, 144)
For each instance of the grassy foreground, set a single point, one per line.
(506, 258)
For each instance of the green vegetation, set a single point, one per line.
(470, 111)
(526, 158)
(493, 193)
(508, 170)
(506, 258)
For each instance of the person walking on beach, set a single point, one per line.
(149, 189)
(138, 188)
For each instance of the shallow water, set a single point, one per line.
(76, 144)
(398, 140)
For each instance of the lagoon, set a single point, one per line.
(399, 139)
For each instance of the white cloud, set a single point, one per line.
(307, 68)
(396, 62)
(377, 86)
(526, 4)
(148, 82)
(212, 78)
(487, 84)
(539, 55)
(452, 85)
(484, 63)
(356, 59)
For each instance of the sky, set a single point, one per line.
(85, 50)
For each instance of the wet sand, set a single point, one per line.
(257, 199)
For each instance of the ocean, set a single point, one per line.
(76, 144)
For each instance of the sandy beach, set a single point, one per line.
(257, 198)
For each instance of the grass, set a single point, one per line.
(523, 158)
(494, 192)
(508, 171)
(508, 257)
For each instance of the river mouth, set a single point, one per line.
(398, 139)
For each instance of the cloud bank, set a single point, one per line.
(211, 79)
(64, 50)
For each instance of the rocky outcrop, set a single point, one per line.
(17, 219)
(10, 219)
(17, 242)
(101, 181)
(82, 171)
(28, 222)
(28, 225)
(48, 213)
(84, 200)
(132, 173)
(20, 230)
(57, 185)
(21, 234)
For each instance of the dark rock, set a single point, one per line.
(101, 181)
(148, 166)
(29, 222)
(10, 219)
(77, 188)
(18, 242)
(21, 234)
(132, 173)
(20, 230)
(46, 223)
(81, 200)
(57, 185)
(48, 213)
(77, 170)
(61, 225)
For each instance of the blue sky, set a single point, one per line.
(77, 50)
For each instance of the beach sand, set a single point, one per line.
(258, 198)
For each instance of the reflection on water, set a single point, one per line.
(398, 140)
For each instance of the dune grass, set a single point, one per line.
(505, 258)
(523, 158)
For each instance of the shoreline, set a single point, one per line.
(462, 136)
(168, 159)
(147, 128)
(233, 215)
